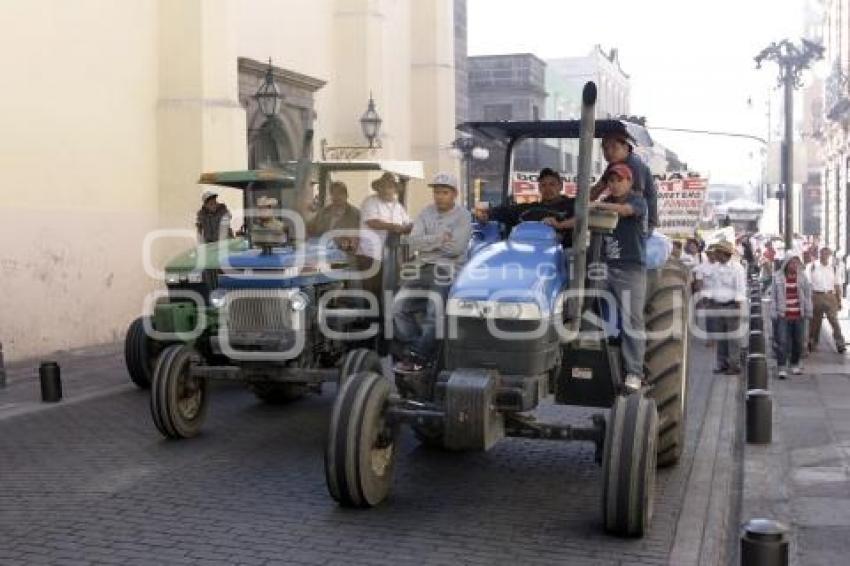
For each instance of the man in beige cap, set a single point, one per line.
(440, 237)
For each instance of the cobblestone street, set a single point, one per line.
(92, 481)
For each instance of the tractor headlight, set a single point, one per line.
(494, 309)
(218, 298)
(298, 302)
(195, 277)
(172, 278)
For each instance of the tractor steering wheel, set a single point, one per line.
(538, 213)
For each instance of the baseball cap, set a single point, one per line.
(620, 169)
(207, 195)
(444, 180)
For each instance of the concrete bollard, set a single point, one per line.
(755, 308)
(756, 343)
(764, 543)
(756, 371)
(759, 417)
(51, 382)
(2, 368)
(756, 323)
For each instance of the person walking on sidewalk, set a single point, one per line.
(826, 299)
(727, 292)
(790, 308)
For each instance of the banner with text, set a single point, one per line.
(680, 206)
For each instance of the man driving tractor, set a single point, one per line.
(551, 199)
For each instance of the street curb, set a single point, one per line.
(706, 519)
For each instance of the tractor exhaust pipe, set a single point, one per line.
(581, 235)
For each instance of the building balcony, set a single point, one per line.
(836, 99)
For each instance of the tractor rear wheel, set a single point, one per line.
(178, 400)
(140, 352)
(667, 351)
(628, 466)
(361, 449)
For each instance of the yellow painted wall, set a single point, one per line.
(79, 162)
(111, 109)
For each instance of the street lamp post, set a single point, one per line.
(792, 60)
(370, 125)
(465, 149)
(268, 97)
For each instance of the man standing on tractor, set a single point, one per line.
(213, 219)
(617, 148)
(338, 215)
(625, 257)
(441, 236)
(380, 214)
(551, 199)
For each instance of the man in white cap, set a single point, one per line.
(213, 219)
(440, 236)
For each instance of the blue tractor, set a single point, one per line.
(272, 309)
(522, 326)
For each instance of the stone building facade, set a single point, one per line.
(117, 107)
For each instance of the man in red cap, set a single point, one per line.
(624, 254)
(617, 147)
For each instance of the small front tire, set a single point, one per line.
(628, 468)
(178, 400)
(361, 449)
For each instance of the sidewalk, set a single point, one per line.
(87, 373)
(803, 477)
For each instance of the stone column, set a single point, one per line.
(200, 124)
(432, 90)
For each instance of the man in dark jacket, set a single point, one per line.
(551, 200)
(213, 219)
(617, 148)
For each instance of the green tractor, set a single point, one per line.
(248, 309)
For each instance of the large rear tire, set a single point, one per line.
(667, 352)
(361, 449)
(628, 467)
(140, 352)
(178, 400)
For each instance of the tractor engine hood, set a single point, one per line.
(308, 264)
(528, 269)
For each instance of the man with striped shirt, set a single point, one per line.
(792, 305)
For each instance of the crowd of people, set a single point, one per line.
(803, 286)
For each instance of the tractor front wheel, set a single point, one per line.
(178, 400)
(361, 449)
(628, 467)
